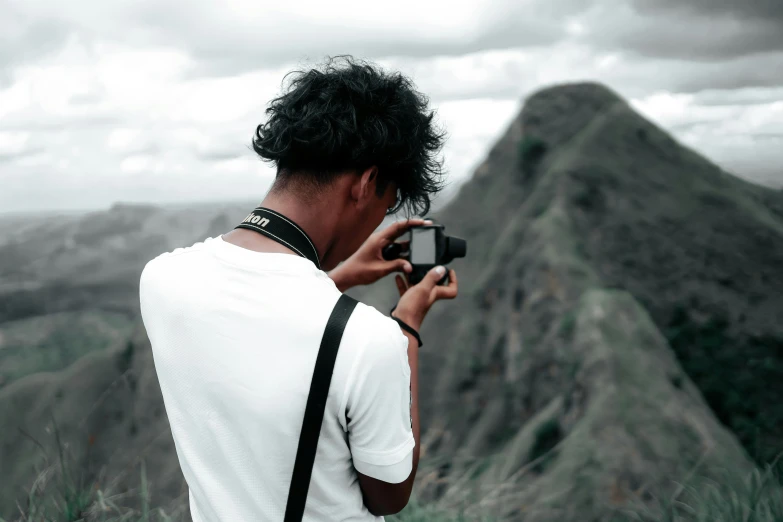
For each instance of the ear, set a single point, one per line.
(363, 188)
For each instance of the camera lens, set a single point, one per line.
(455, 247)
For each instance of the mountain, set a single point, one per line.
(614, 332)
(619, 295)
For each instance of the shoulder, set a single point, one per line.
(373, 323)
(167, 259)
(195, 248)
(164, 268)
(377, 338)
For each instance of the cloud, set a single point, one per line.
(746, 139)
(696, 30)
(744, 96)
(506, 74)
(758, 70)
(86, 98)
(222, 155)
(142, 100)
(24, 37)
(472, 125)
(18, 148)
(233, 37)
(19, 157)
(770, 10)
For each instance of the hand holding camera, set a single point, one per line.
(422, 249)
(427, 248)
(370, 262)
(416, 300)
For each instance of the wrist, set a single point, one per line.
(412, 320)
(408, 329)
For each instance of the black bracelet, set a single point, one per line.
(406, 327)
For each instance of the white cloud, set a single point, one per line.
(575, 27)
(133, 164)
(144, 100)
(238, 36)
(472, 125)
(122, 138)
(13, 142)
(746, 138)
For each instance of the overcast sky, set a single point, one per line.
(156, 100)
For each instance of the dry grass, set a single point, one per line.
(59, 495)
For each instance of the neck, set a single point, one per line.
(319, 219)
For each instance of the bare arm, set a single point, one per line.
(384, 498)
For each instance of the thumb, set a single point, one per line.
(433, 276)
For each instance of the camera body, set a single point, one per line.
(427, 247)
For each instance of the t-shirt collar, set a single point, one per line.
(262, 260)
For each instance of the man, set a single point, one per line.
(236, 321)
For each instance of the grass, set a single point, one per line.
(53, 498)
(758, 498)
(416, 512)
(59, 494)
(755, 498)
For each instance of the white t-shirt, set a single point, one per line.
(235, 334)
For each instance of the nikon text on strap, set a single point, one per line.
(281, 229)
(316, 404)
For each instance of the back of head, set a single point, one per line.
(349, 115)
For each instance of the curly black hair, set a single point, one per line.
(348, 115)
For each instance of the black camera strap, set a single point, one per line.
(316, 405)
(281, 229)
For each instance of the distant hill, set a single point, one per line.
(87, 267)
(615, 330)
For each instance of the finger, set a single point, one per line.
(449, 291)
(432, 277)
(403, 265)
(397, 265)
(398, 228)
(401, 287)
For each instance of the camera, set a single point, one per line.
(427, 247)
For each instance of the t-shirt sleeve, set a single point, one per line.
(378, 406)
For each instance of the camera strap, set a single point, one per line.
(281, 229)
(316, 405)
